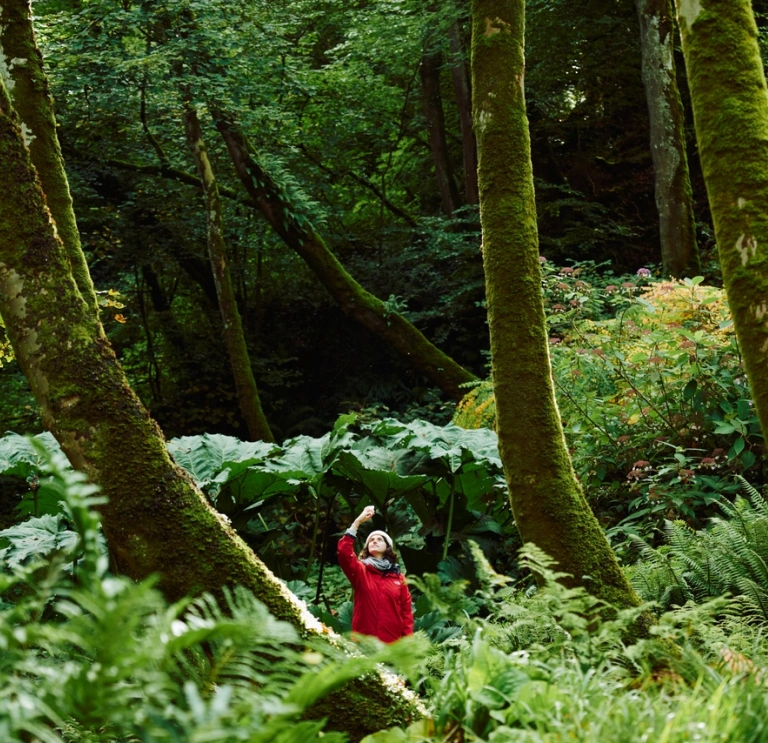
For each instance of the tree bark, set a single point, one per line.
(730, 112)
(353, 299)
(674, 199)
(549, 507)
(156, 520)
(464, 102)
(234, 338)
(429, 71)
(28, 87)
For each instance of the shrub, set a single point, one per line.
(655, 404)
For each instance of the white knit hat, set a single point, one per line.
(381, 534)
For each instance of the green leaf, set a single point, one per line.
(37, 537)
(206, 456)
(744, 410)
(18, 456)
(724, 428)
(380, 485)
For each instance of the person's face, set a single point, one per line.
(376, 546)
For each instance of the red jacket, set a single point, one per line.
(382, 600)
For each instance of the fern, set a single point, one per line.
(88, 656)
(729, 557)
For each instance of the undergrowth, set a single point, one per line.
(87, 656)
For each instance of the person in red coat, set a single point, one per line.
(382, 603)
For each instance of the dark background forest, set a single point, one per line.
(335, 103)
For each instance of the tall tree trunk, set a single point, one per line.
(234, 338)
(31, 97)
(429, 71)
(355, 301)
(460, 75)
(730, 112)
(547, 502)
(674, 200)
(156, 520)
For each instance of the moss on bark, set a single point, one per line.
(674, 199)
(730, 110)
(354, 300)
(232, 327)
(30, 94)
(156, 520)
(547, 502)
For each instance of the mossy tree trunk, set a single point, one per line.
(730, 112)
(234, 338)
(22, 63)
(354, 300)
(156, 520)
(674, 199)
(547, 502)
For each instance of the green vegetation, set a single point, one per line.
(92, 656)
(265, 264)
(654, 400)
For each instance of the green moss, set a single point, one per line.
(549, 508)
(237, 350)
(730, 106)
(32, 101)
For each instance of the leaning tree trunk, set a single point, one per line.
(354, 301)
(156, 520)
(674, 199)
(730, 112)
(547, 502)
(28, 86)
(234, 338)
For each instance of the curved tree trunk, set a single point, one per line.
(547, 502)
(730, 111)
(234, 338)
(156, 520)
(31, 97)
(355, 301)
(674, 200)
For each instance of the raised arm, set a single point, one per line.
(346, 547)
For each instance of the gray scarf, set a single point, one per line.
(381, 563)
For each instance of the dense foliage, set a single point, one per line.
(356, 113)
(654, 400)
(89, 656)
(331, 98)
